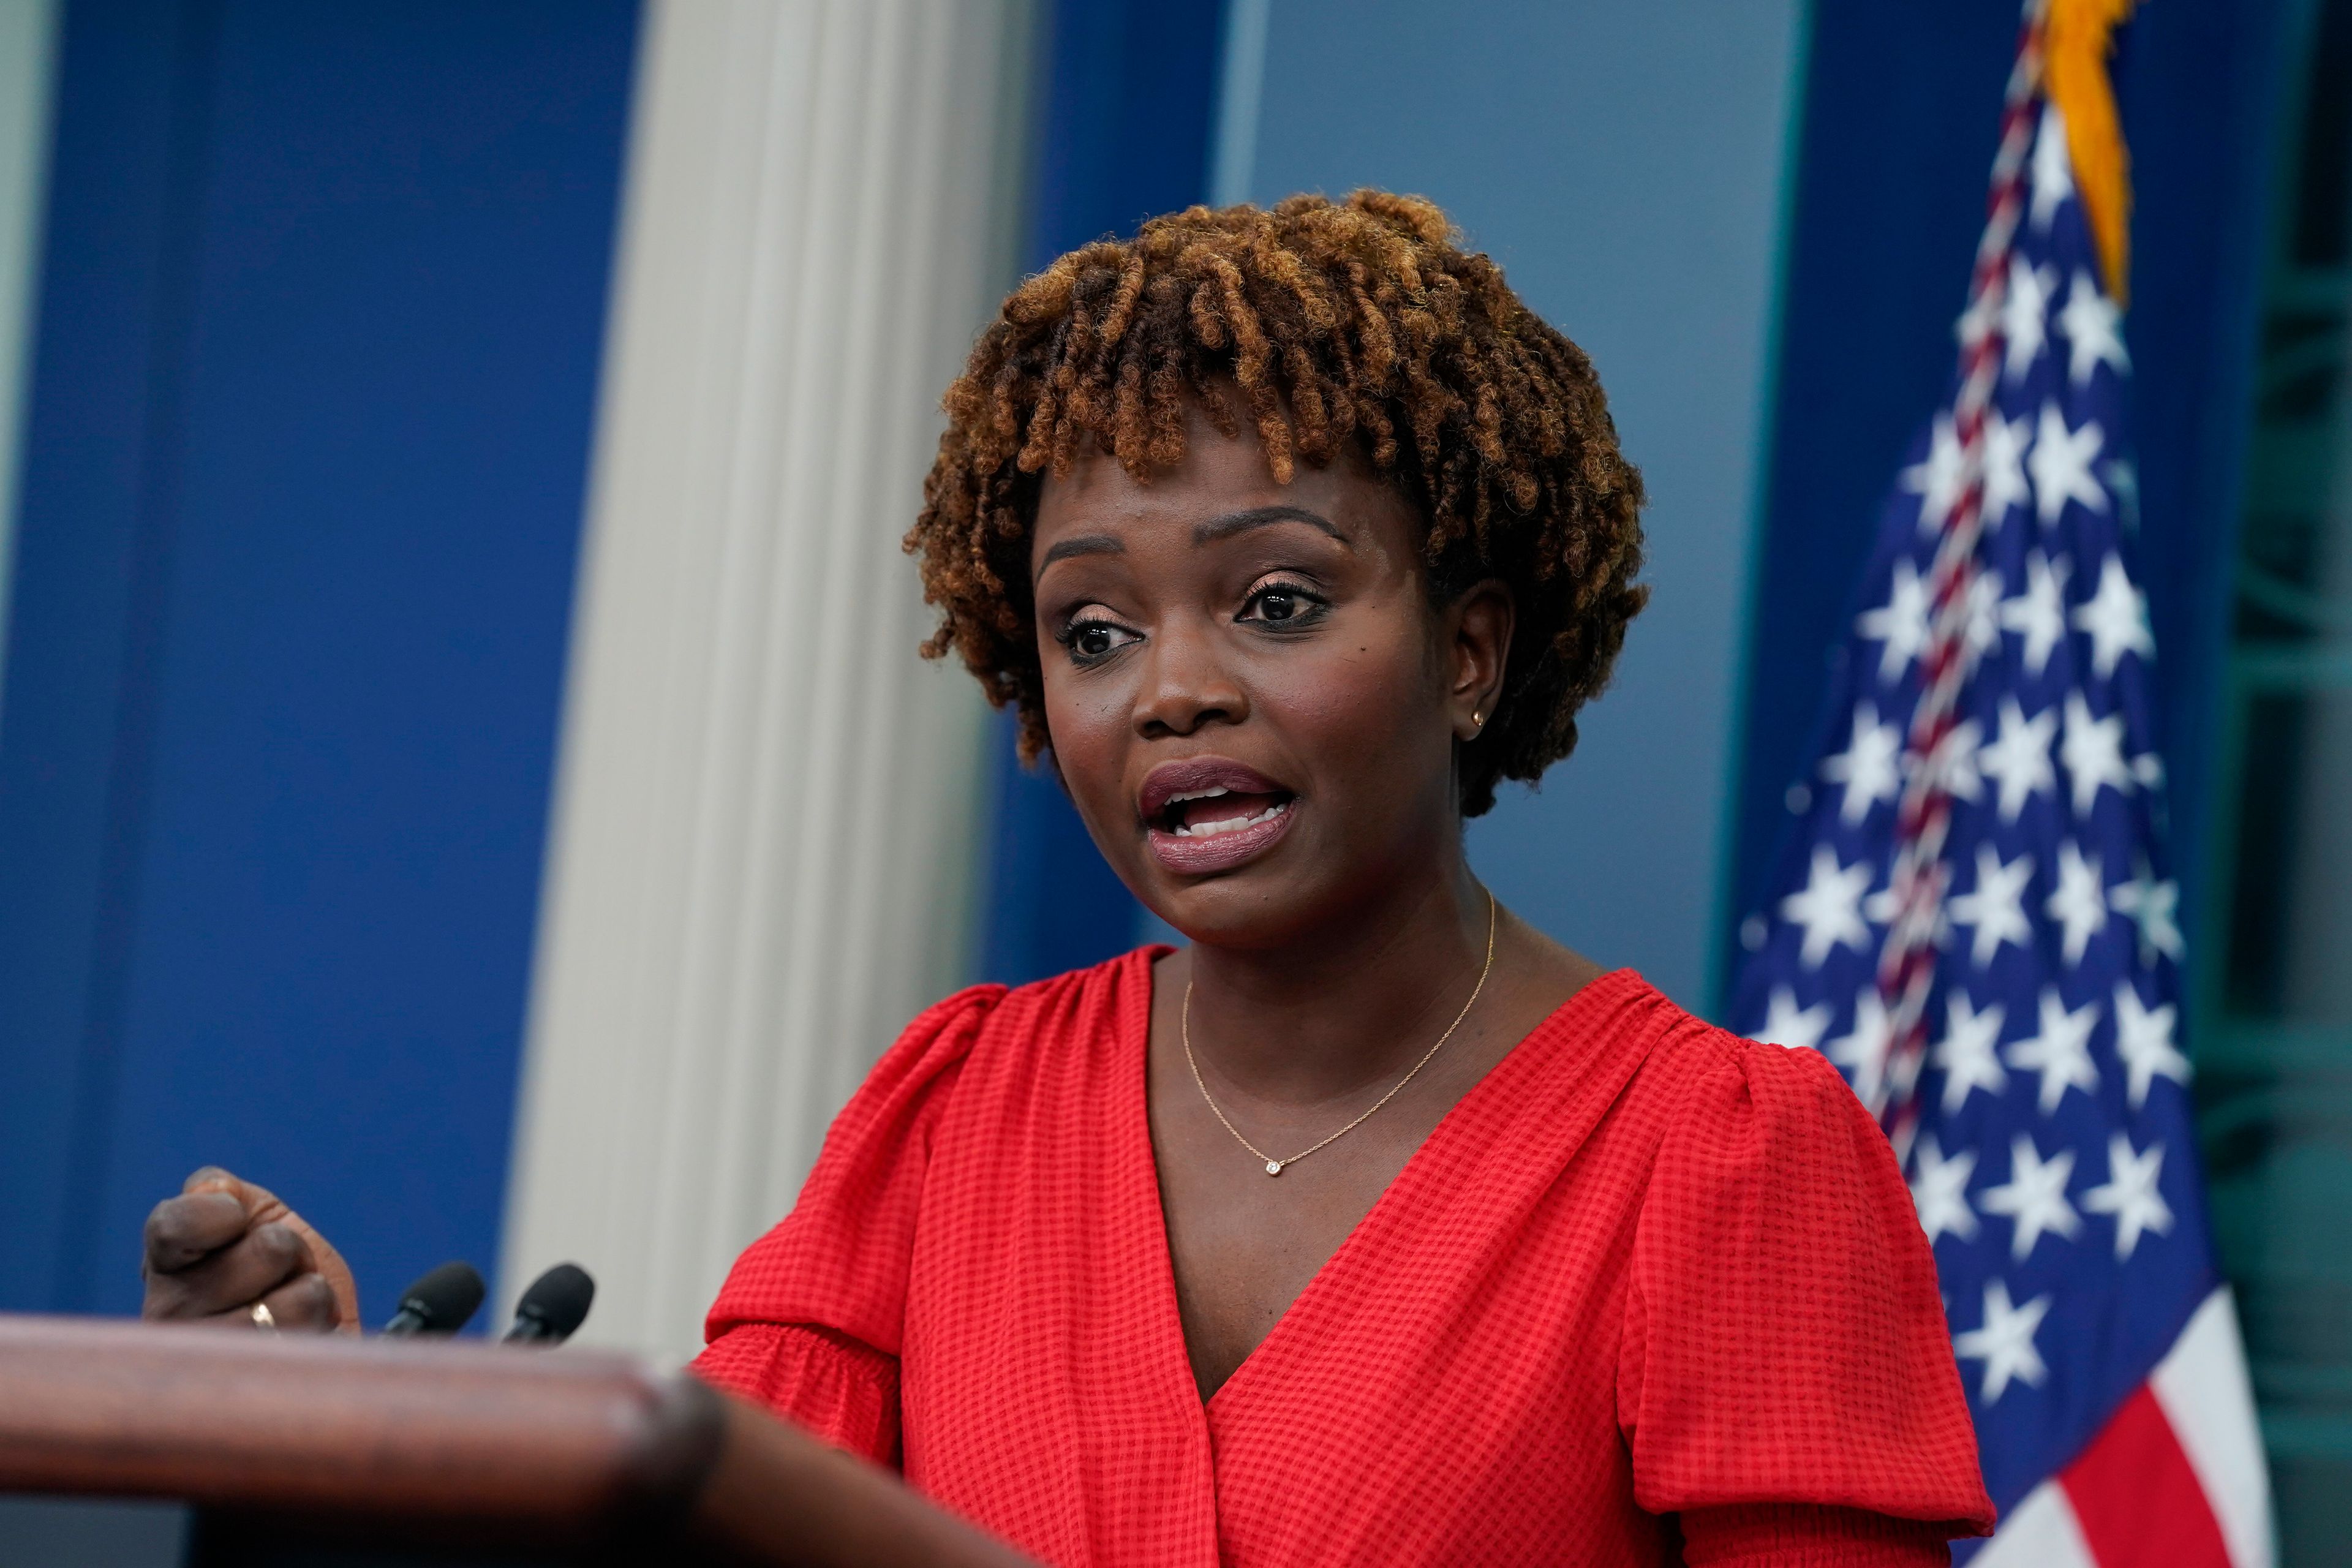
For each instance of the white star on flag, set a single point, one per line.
(2061, 1053)
(1787, 1024)
(1867, 768)
(2034, 1197)
(2092, 750)
(1862, 1052)
(1939, 480)
(2038, 616)
(2005, 442)
(2005, 1342)
(1829, 906)
(2092, 325)
(2053, 167)
(1939, 1190)
(2144, 1041)
(1967, 1051)
(2018, 760)
(2079, 903)
(2115, 617)
(2151, 905)
(1996, 906)
(2024, 313)
(2060, 464)
(2129, 1194)
(1901, 623)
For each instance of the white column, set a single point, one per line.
(28, 31)
(765, 825)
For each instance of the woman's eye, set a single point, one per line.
(1097, 639)
(1280, 604)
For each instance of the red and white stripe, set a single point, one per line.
(2175, 1479)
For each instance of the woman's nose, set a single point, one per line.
(1186, 684)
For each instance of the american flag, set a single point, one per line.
(1973, 918)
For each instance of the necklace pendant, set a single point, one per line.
(1273, 1167)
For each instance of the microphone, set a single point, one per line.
(556, 1304)
(438, 1303)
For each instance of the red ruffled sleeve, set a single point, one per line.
(1786, 1385)
(809, 1322)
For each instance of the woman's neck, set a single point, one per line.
(1349, 1003)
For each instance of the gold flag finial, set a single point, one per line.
(2077, 37)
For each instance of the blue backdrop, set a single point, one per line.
(324, 296)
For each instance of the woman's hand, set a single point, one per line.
(224, 1246)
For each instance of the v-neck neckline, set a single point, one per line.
(1137, 1148)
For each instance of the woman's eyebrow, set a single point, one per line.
(1234, 522)
(1084, 544)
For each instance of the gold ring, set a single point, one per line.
(263, 1318)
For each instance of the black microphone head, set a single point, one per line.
(556, 1304)
(440, 1302)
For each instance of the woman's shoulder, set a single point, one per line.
(1687, 1061)
(1077, 993)
(1732, 1125)
(1684, 1088)
(992, 1020)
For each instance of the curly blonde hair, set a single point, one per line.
(1362, 322)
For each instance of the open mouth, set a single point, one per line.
(1211, 814)
(1207, 812)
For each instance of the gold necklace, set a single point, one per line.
(1273, 1166)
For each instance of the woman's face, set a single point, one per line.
(1253, 702)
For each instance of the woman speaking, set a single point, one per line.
(1374, 1227)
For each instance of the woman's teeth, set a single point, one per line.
(1231, 824)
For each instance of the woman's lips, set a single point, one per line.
(1210, 813)
(1199, 775)
(1220, 846)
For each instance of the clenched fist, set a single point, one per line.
(224, 1247)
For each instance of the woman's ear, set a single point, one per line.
(1478, 634)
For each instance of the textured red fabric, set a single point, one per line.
(1648, 1291)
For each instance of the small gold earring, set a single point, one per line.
(1477, 724)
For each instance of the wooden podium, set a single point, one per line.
(318, 1450)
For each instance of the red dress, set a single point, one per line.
(1647, 1290)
